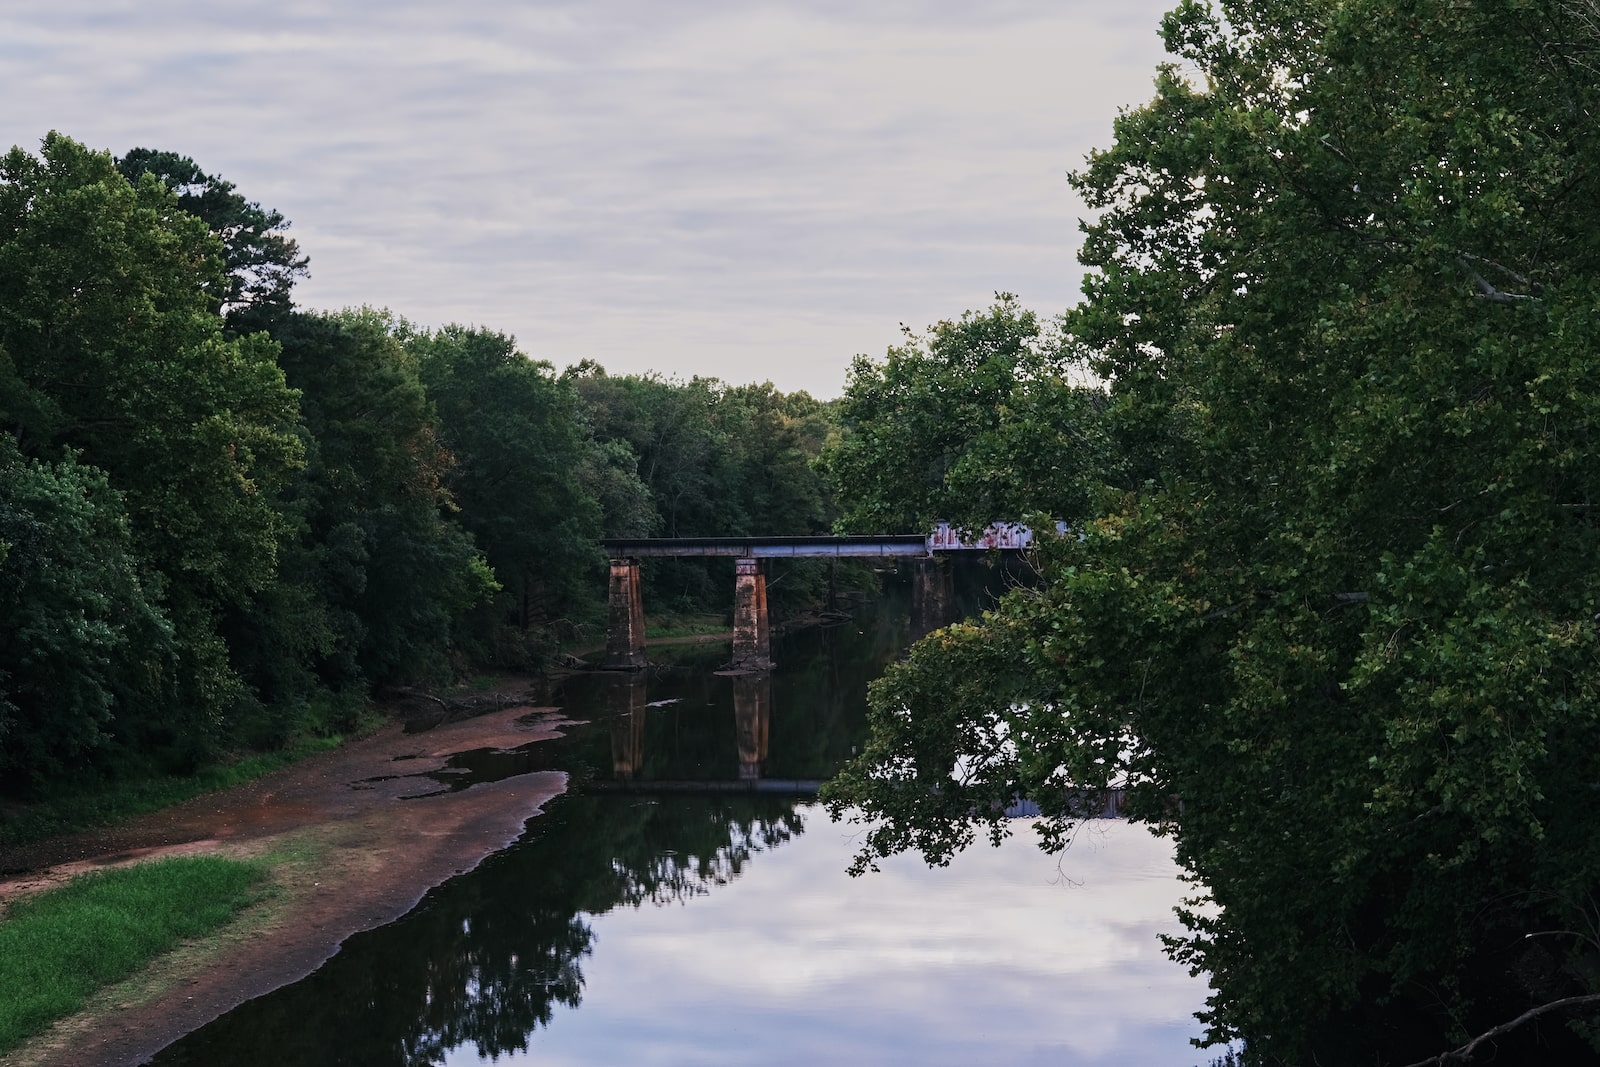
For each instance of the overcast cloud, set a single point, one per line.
(749, 191)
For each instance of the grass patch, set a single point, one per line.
(60, 946)
(109, 801)
(477, 683)
(685, 625)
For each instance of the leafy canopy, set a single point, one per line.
(262, 263)
(977, 421)
(110, 344)
(1341, 643)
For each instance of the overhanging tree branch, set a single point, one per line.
(1486, 289)
(1466, 1052)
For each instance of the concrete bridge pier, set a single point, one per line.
(932, 596)
(752, 641)
(625, 626)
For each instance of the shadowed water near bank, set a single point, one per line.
(674, 925)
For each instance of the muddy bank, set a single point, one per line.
(357, 837)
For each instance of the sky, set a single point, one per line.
(748, 191)
(1007, 956)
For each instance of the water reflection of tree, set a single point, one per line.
(487, 959)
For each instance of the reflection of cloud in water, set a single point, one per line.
(1000, 958)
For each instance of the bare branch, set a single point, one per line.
(1488, 291)
(1465, 1052)
(1502, 268)
(1222, 612)
(1580, 50)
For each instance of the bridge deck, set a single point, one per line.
(767, 547)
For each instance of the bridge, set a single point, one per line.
(752, 641)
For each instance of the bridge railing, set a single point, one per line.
(1001, 536)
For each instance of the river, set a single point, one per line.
(687, 903)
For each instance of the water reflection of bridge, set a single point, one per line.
(628, 709)
(752, 716)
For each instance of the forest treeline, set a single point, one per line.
(226, 521)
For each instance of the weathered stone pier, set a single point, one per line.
(752, 641)
(932, 596)
(625, 624)
(752, 635)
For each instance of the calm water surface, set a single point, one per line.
(667, 913)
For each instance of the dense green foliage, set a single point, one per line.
(379, 573)
(109, 345)
(225, 522)
(61, 945)
(523, 462)
(1341, 641)
(716, 461)
(261, 262)
(977, 422)
(78, 615)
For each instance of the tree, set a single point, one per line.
(772, 439)
(262, 263)
(671, 426)
(521, 451)
(81, 636)
(1343, 646)
(717, 461)
(380, 572)
(681, 458)
(976, 422)
(110, 344)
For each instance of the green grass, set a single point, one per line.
(685, 625)
(477, 683)
(62, 945)
(109, 801)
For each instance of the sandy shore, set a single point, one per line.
(349, 854)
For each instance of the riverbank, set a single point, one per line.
(349, 844)
(354, 838)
